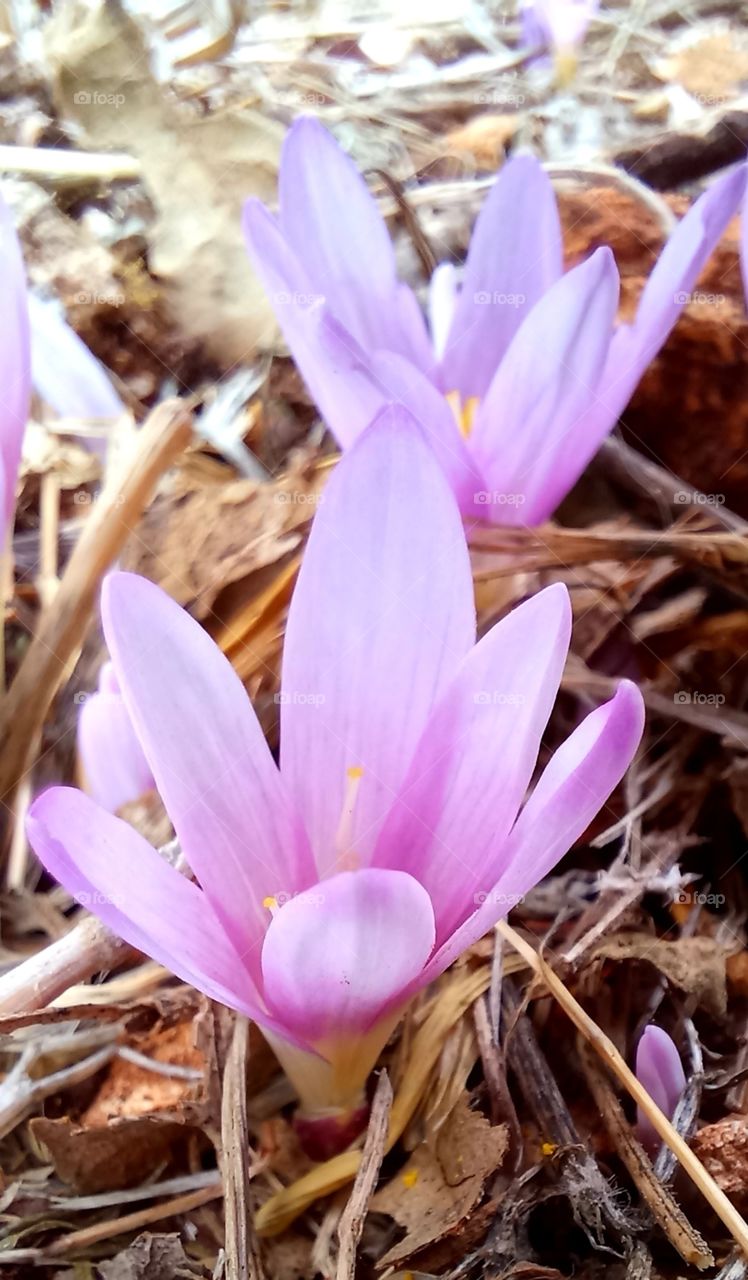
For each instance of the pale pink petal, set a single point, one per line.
(532, 423)
(333, 225)
(660, 1070)
(473, 764)
(571, 791)
(115, 770)
(208, 755)
(515, 255)
(381, 617)
(114, 872)
(336, 958)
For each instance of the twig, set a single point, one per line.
(86, 949)
(63, 625)
(603, 1045)
(62, 166)
(243, 1260)
(87, 1236)
(352, 1220)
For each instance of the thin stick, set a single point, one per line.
(63, 626)
(352, 1220)
(724, 1209)
(243, 1260)
(87, 1236)
(60, 165)
(86, 949)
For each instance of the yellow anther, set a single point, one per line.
(354, 772)
(549, 1148)
(410, 1178)
(270, 904)
(464, 413)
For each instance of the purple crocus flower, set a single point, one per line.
(15, 376)
(115, 770)
(660, 1070)
(524, 371)
(395, 831)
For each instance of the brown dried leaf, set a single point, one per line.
(694, 965)
(438, 1189)
(152, 1257)
(712, 68)
(723, 1149)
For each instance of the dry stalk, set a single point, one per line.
(63, 625)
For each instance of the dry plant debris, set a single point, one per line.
(145, 1132)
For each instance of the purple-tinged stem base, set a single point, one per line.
(323, 1136)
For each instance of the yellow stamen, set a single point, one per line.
(464, 413)
(346, 858)
(270, 904)
(410, 1178)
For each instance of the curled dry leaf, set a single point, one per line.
(441, 1186)
(694, 965)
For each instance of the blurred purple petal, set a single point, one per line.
(15, 374)
(65, 372)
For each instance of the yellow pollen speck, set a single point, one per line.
(354, 772)
(410, 1178)
(548, 1148)
(464, 413)
(270, 903)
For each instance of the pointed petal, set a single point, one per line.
(15, 360)
(65, 372)
(114, 768)
(325, 365)
(660, 1069)
(533, 420)
(336, 959)
(209, 758)
(571, 791)
(472, 767)
(114, 872)
(515, 255)
(381, 617)
(333, 225)
(682, 260)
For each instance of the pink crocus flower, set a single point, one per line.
(524, 371)
(396, 829)
(15, 375)
(660, 1070)
(115, 770)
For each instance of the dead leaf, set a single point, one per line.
(694, 965)
(712, 68)
(484, 139)
(197, 170)
(152, 1257)
(439, 1188)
